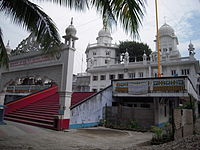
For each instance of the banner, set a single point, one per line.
(168, 85)
(138, 87)
(120, 87)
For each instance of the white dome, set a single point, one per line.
(104, 32)
(166, 30)
(70, 31)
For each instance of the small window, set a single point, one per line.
(140, 74)
(165, 110)
(131, 75)
(95, 78)
(94, 53)
(145, 105)
(107, 53)
(130, 105)
(164, 49)
(185, 71)
(135, 105)
(173, 72)
(112, 76)
(155, 74)
(94, 90)
(120, 76)
(103, 77)
(170, 49)
(106, 61)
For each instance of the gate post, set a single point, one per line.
(67, 77)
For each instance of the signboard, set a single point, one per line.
(121, 86)
(138, 87)
(168, 85)
(33, 60)
(26, 88)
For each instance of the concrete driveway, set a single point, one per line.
(20, 136)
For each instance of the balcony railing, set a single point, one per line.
(102, 44)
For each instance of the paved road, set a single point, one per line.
(20, 136)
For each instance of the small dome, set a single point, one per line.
(144, 54)
(166, 30)
(104, 32)
(70, 31)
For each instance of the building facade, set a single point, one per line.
(103, 65)
(126, 89)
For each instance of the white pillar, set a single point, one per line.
(2, 97)
(149, 71)
(66, 88)
(67, 77)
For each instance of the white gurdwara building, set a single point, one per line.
(103, 65)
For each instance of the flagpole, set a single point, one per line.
(157, 39)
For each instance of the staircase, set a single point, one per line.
(38, 113)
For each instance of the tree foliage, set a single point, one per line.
(31, 17)
(135, 49)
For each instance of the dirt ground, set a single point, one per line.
(16, 136)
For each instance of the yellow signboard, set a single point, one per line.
(137, 87)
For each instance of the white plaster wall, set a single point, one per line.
(91, 110)
(162, 117)
(159, 113)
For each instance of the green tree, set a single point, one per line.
(135, 49)
(32, 18)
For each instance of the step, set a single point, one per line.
(46, 121)
(46, 105)
(50, 117)
(47, 100)
(40, 112)
(32, 113)
(44, 101)
(30, 122)
(40, 109)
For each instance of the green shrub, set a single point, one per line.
(161, 135)
(133, 125)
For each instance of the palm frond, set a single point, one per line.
(106, 9)
(128, 12)
(72, 4)
(3, 53)
(32, 18)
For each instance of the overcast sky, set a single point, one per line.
(182, 15)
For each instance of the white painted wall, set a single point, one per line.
(91, 111)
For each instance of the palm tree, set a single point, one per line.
(27, 14)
